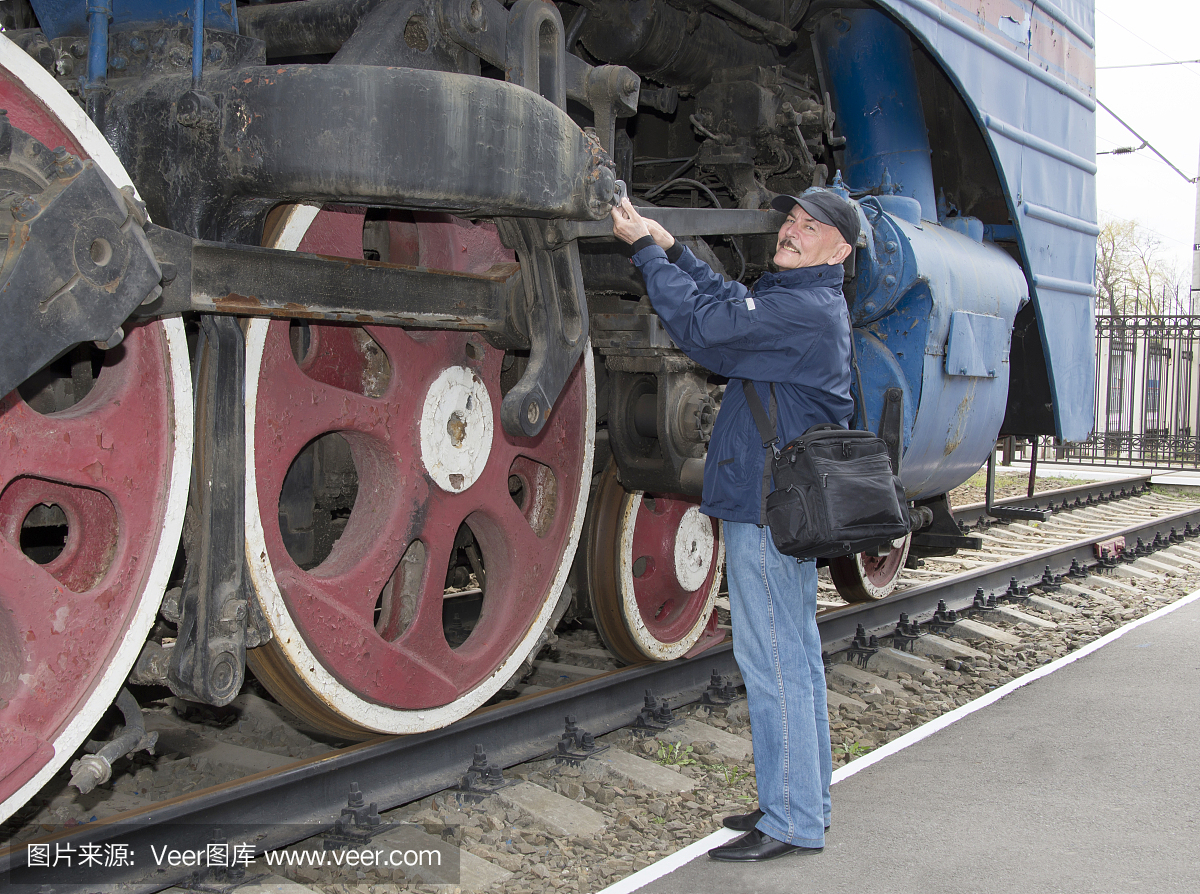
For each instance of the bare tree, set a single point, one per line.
(1114, 262)
(1134, 273)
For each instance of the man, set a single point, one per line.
(791, 329)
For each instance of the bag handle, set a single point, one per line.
(765, 429)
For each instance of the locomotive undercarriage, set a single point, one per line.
(421, 371)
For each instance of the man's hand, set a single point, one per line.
(629, 226)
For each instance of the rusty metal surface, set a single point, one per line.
(683, 222)
(515, 153)
(211, 277)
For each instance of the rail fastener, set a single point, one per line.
(943, 618)
(654, 717)
(483, 778)
(863, 647)
(906, 634)
(720, 692)
(576, 744)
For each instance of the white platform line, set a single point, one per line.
(672, 862)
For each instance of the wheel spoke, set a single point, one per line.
(83, 445)
(300, 408)
(351, 649)
(38, 588)
(653, 545)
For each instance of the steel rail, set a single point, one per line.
(308, 796)
(280, 807)
(973, 512)
(958, 591)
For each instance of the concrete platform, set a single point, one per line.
(1076, 778)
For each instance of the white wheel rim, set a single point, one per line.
(650, 645)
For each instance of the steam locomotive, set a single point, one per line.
(320, 357)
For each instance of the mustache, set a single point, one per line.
(787, 243)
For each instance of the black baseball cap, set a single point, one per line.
(826, 206)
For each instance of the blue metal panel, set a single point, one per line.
(886, 272)
(62, 18)
(883, 369)
(872, 81)
(977, 344)
(891, 355)
(1031, 89)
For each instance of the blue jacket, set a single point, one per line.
(791, 328)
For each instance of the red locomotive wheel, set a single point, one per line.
(654, 566)
(863, 578)
(364, 640)
(93, 482)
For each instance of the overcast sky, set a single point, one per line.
(1162, 104)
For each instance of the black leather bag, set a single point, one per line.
(835, 491)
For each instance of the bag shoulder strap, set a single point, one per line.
(765, 429)
(856, 387)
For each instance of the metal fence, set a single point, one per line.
(1147, 389)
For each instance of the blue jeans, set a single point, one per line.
(773, 599)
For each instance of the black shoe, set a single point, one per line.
(744, 822)
(756, 846)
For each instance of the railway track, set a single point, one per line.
(241, 786)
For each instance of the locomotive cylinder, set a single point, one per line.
(945, 342)
(660, 42)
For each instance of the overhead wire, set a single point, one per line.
(1148, 229)
(1147, 64)
(1137, 36)
(1145, 144)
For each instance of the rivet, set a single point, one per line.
(476, 20)
(25, 209)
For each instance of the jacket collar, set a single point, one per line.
(828, 275)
